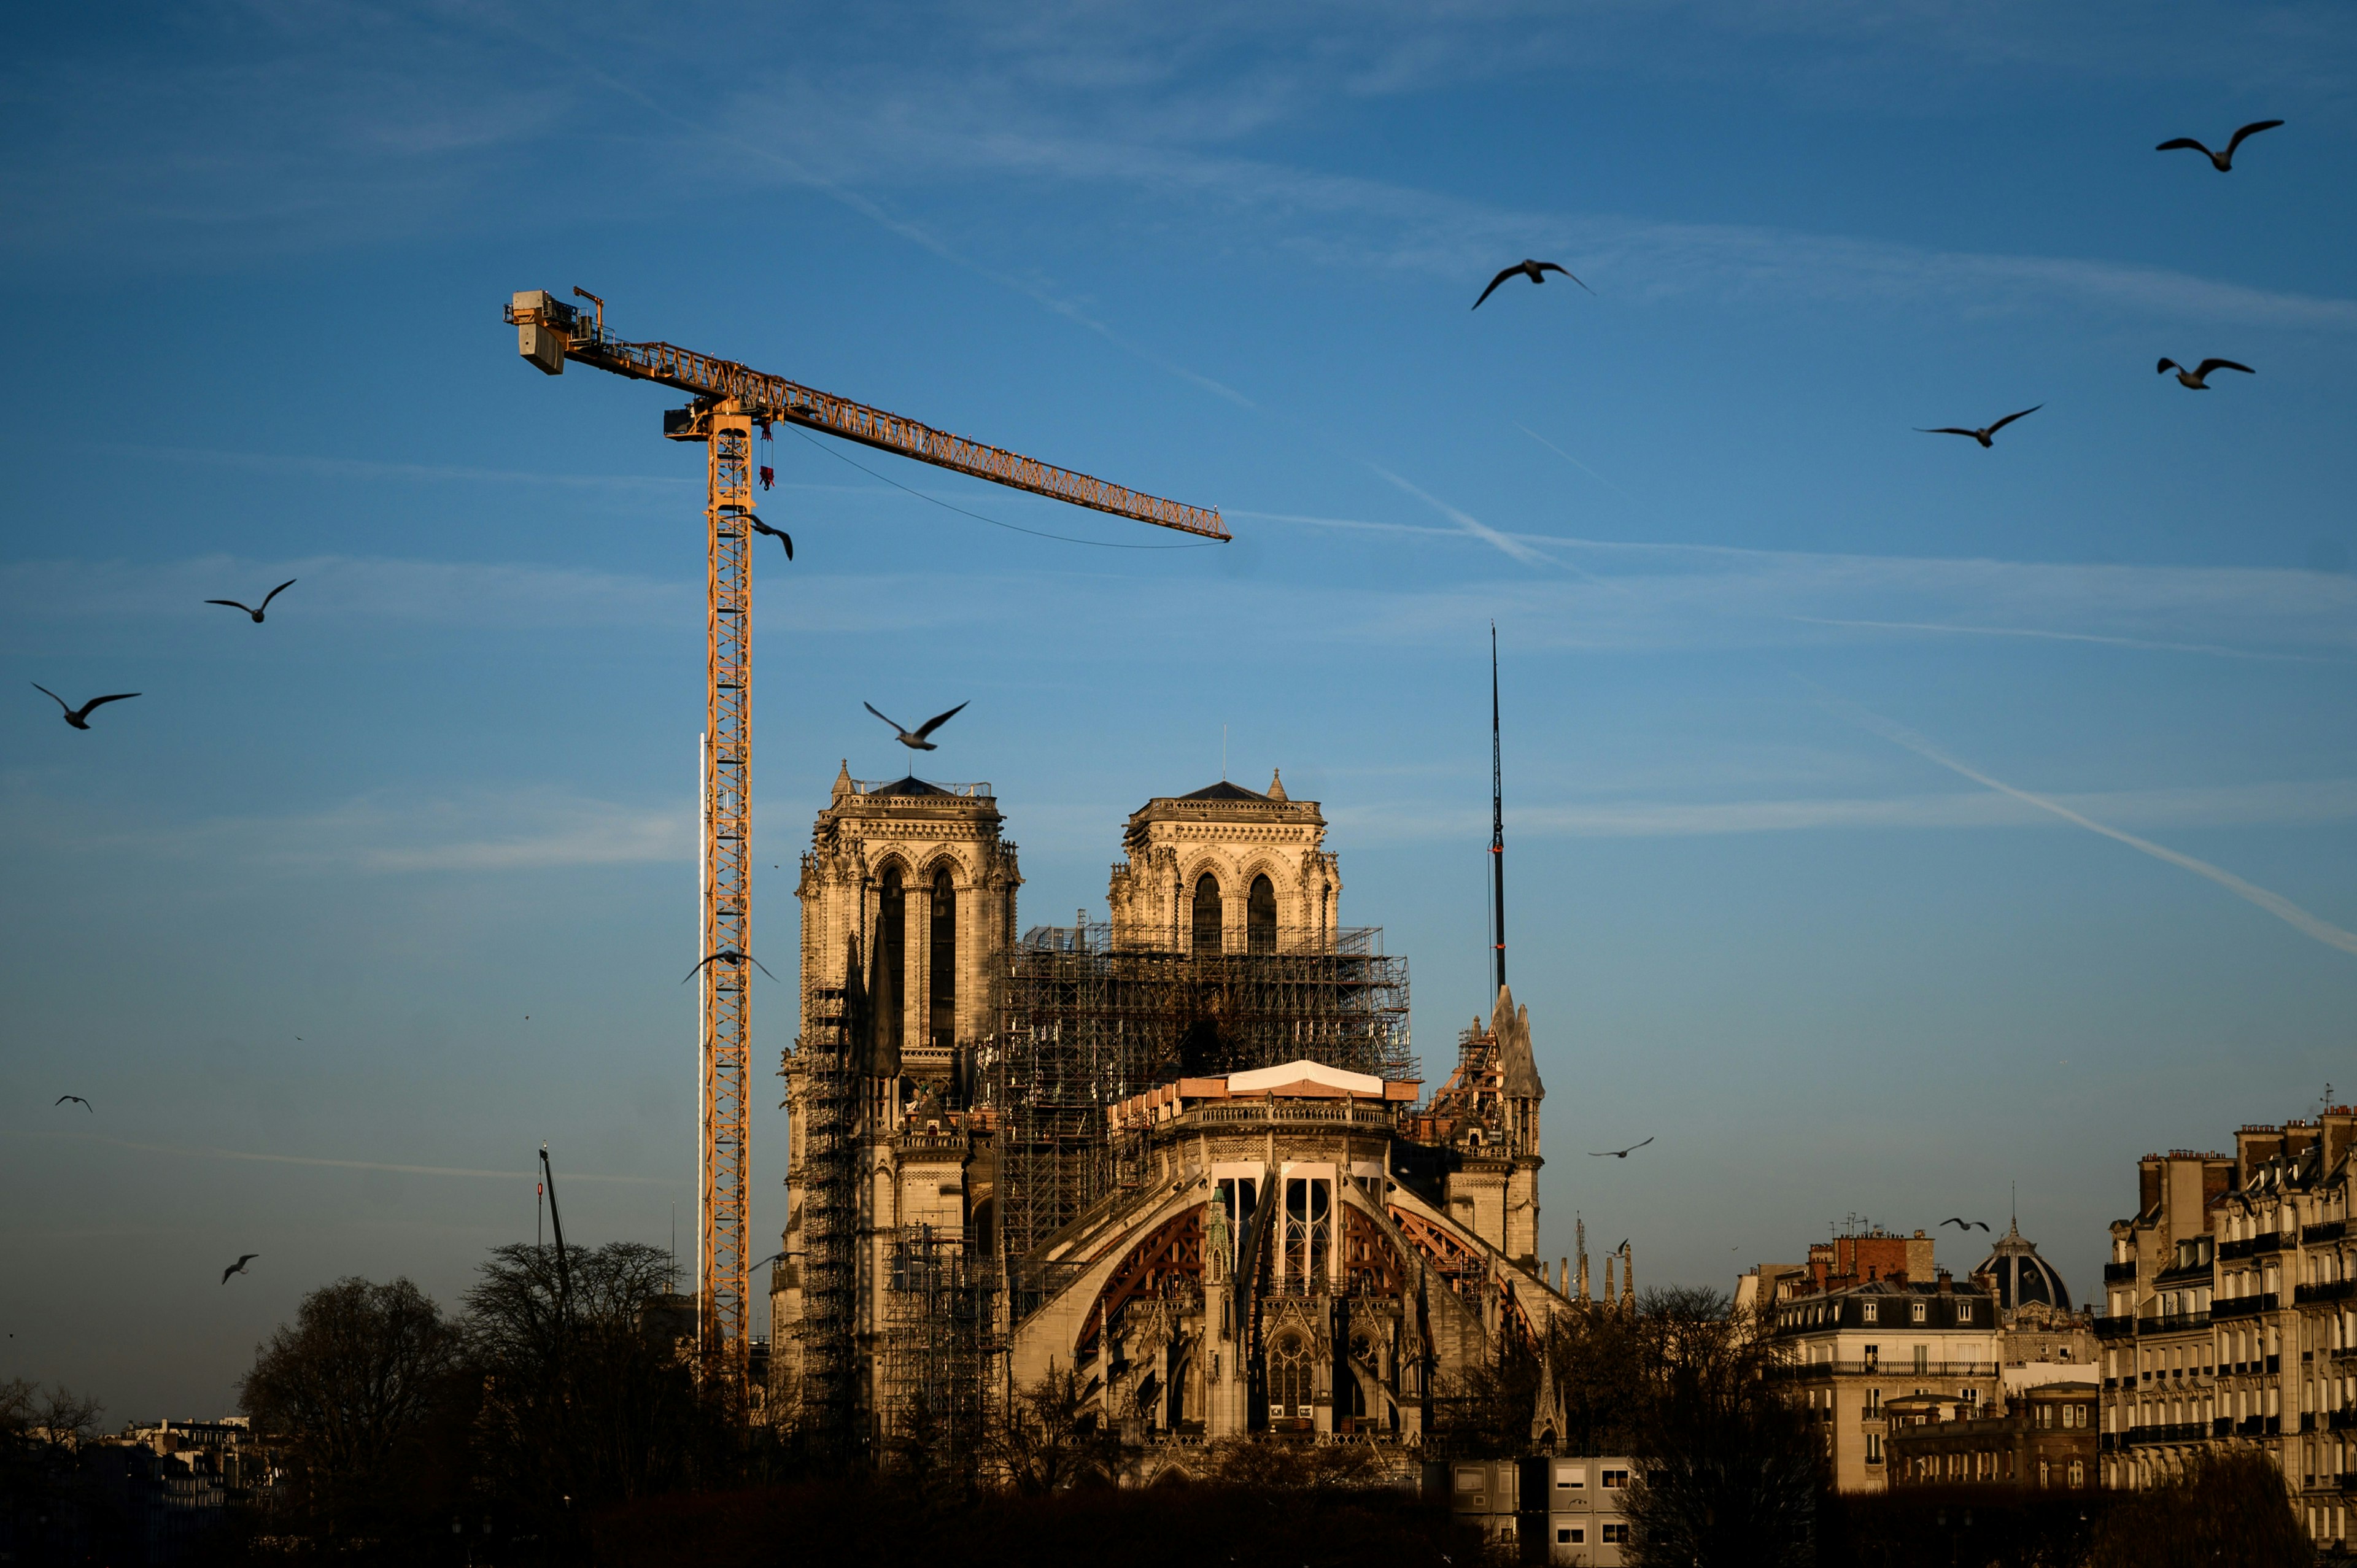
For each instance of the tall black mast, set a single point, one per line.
(1497, 820)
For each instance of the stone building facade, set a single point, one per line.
(1183, 1155)
(2042, 1438)
(2230, 1315)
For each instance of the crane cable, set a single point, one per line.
(1036, 533)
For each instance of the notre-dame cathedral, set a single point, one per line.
(1184, 1153)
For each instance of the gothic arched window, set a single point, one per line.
(1288, 1377)
(942, 1035)
(892, 968)
(1207, 914)
(1260, 917)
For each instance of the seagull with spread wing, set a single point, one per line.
(1616, 1153)
(1535, 271)
(779, 534)
(2222, 162)
(1963, 1224)
(256, 610)
(239, 1267)
(79, 717)
(727, 955)
(78, 1099)
(1986, 430)
(2198, 378)
(917, 741)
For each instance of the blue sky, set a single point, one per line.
(297, 900)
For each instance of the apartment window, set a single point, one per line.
(1873, 1448)
(1873, 1401)
(2078, 1472)
(1963, 1312)
(1616, 1535)
(1915, 1311)
(1871, 1311)
(1570, 1477)
(1571, 1535)
(1615, 1481)
(1469, 1478)
(1922, 1353)
(1873, 1357)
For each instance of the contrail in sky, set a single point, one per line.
(343, 1165)
(1470, 524)
(2275, 903)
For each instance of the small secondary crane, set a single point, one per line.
(727, 402)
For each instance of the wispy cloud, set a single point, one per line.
(2275, 903)
(2294, 803)
(187, 1151)
(385, 832)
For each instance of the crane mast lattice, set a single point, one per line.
(729, 402)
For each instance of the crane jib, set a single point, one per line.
(774, 397)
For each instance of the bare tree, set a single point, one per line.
(1728, 1470)
(1049, 1439)
(350, 1386)
(2225, 1506)
(588, 1397)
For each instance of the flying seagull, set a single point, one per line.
(256, 610)
(2198, 379)
(79, 717)
(773, 1258)
(1535, 271)
(725, 955)
(1963, 1224)
(78, 1099)
(2222, 162)
(918, 742)
(238, 1267)
(1616, 1153)
(779, 534)
(1983, 434)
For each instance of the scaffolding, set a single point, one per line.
(823, 1089)
(1084, 1023)
(939, 1334)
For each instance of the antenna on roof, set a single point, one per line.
(1497, 823)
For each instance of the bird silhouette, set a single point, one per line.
(1535, 271)
(256, 610)
(725, 955)
(2222, 162)
(79, 717)
(1616, 1153)
(2198, 379)
(1982, 434)
(779, 534)
(918, 742)
(238, 1267)
(773, 1258)
(1963, 1224)
(78, 1099)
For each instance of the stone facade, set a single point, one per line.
(2230, 1315)
(1291, 1250)
(2044, 1439)
(1215, 869)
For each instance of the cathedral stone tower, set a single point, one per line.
(908, 896)
(913, 878)
(1226, 870)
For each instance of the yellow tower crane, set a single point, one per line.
(729, 401)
